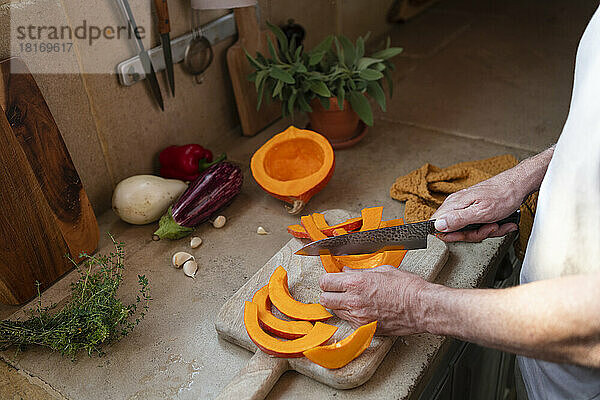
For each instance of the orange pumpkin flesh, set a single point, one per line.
(350, 225)
(339, 354)
(371, 220)
(293, 166)
(281, 298)
(274, 325)
(318, 335)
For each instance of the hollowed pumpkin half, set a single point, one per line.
(318, 335)
(293, 166)
(279, 295)
(339, 354)
(274, 325)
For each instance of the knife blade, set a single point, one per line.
(143, 54)
(164, 28)
(402, 237)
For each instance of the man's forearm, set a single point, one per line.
(556, 320)
(529, 173)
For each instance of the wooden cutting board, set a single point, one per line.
(262, 372)
(253, 39)
(45, 212)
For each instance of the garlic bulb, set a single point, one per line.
(180, 258)
(195, 242)
(261, 231)
(190, 268)
(220, 221)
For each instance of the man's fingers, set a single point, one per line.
(334, 301)
(504, 229)
(333, 282)
(351, 270)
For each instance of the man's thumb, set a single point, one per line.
(453, 220)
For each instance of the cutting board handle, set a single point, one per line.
(247, 23)
(256, 379)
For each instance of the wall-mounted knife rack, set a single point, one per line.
(131, 71)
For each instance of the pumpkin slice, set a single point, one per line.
(341, 353)
(318, 335)
(339, 231)
(293, 166)
(328, 261)
(371, 218)
(350, 225)
(320, 221)
(274, 325)
(281, 298)
(391, 222)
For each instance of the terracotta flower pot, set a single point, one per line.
(338, 126)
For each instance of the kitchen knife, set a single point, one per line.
(164, 28)
(143, 54)
(402, 237)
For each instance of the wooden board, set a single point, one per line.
(403, 10)
(251, 38)
(257, 379)
(45, 211)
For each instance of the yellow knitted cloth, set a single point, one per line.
(426, 188)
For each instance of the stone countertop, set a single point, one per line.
(176, 353)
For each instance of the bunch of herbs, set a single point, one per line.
(93, 316)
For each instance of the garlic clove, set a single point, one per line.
(190, 268)
(195, 242)
(219, 222)
(261, 231)
(180, 258)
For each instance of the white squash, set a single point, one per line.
(143, 199)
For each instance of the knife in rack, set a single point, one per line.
(402, 237)
(143, 54)
(164, 28)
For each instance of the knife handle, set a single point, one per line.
(162, 12)
(514, 218)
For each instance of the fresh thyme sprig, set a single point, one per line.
(93, 316)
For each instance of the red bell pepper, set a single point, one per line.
(186, 162)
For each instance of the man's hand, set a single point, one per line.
(385, 294)
(485, 202)
(490, 201)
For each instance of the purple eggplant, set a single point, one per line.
(214, 189)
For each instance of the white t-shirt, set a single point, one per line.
(566, 233)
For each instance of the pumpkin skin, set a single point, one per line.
(318, 335)
(339, 354)
(281, 298)
(293, 166)
(274, 325)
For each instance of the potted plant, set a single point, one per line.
(330, 82)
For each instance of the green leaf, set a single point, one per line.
(253, 61)
(387, 53)
(301, 68)
(365, 62)
(291, 102)
(390, 81)
(379, 67)
(277, 90)
(324, 46)
(304, 106)
(260, 76)
(260, 93)
(281, 75)
(370, 75)
(272, 50)
(361, 105)
(339, 51)
(320, 88)
(298, 54)
(315, 58)
(281, 38)
(325, 102)
(376, 92)
(360, 48)
(349, 51)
